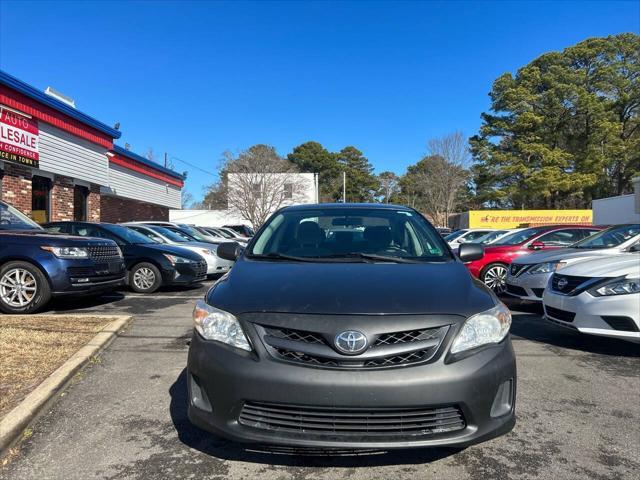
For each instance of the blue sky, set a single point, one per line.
(196, 79)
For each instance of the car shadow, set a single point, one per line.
(528, 324)
(210, 444)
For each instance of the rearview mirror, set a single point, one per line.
(536, 245)
(468, 252)
(229, 251)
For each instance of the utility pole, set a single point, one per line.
(166, 162)
(344, 186)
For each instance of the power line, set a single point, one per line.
(194, 166)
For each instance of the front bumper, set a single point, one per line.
(589, 313)
(526, 286)
(228, 378)
(185, 273)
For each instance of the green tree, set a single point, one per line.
(564, 130)
(312, 157)
(361, 185)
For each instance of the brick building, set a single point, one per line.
(57, 163)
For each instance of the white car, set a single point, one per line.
(598, 296)
(207, 251)
(466, 235)
(528, 275)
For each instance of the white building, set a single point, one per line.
(622, 209)
(287, 188)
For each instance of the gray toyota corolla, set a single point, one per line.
(351, 326)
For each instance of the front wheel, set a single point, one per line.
(23, 288)
(145, 278)
(494, 276)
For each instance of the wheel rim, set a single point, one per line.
(144, 278)
(495, 278)
(18, 287)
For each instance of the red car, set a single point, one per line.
(492, 268)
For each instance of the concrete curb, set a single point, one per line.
(18, 419)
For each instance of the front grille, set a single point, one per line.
(623, 324)
(104, 253)
(567, 283)
(515, 290)
(296, 335)
(200, 269)
(516, 269)
(316, 349)
(409, 336)
(98, 270)
(558, 314)
(350, 422)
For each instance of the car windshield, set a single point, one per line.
(489, 237)
(454, 235)
(13, 219)
(516, 238)
(128, 235)
(171, 235)
(195, 233)
(221, 233)
(350, 234)
(609, 238)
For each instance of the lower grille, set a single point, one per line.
(558, 314)
(623, 324)
(538, 292)
(515, 290)
(345, 422)
(200, 269)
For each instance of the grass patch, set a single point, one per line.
(33, 346)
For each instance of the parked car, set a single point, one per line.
(599, 296)
(493, 237)
(215, 264)
(36, 265)
(529, 275)
(466, 235)
(444, 231)
(389, 345)
(244, 230)
(192, 232)
(492, 268)
(230, 235)
(150, 265)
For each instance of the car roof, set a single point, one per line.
(340, 206)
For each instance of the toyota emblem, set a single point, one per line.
(351, 342)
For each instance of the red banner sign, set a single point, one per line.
(19, 137)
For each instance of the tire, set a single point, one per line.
(494, 276)
(23, 288)
(144, 277)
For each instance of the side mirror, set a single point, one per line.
(462, 240)
(536, 245)
(468, 252)
(635, 248)
(229, 251)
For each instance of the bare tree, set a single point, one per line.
(186, 199)
(259, 182)
(449, 171)
(389, 186)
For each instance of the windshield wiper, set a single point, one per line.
(281, 256)
(372, 256)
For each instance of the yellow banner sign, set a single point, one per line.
(525, 218)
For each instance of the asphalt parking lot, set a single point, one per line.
(124, 416)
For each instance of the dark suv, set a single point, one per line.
(36, 265)
(351, 326)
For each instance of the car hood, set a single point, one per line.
(572, 254)
(350, 288)
(616, 266)
(42, 237)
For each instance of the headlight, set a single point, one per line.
(483, 328)
(175, 259)
(547, 267)
(618, 287)
(67, 252)
(215, 324)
